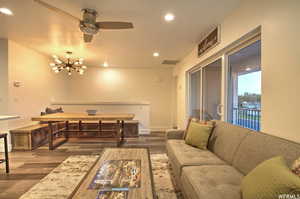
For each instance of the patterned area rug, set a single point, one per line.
(164, 186)
(64, 179)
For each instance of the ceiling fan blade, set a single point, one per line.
(87, 38)
(114, 25)
(55, 9)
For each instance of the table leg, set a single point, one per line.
(100, 128)
(122, 131)
(67, 130)
(6, 154)
(50, 136)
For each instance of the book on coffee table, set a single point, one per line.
(112, 195)
(117, 175)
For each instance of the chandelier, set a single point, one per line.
(68, 64)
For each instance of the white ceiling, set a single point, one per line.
(51, 33)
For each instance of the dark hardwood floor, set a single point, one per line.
(28, 168)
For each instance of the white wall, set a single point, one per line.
(3, 76)
(153, 85)
(39, 86)
(279, 21)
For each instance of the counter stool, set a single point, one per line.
(4, 136)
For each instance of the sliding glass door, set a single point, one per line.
(205, 92)
(229, 88)
(211, 95)
(244, 95)
(195, 93)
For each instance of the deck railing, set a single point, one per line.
(248, 118)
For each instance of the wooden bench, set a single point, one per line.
(30, 137)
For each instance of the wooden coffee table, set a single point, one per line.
(145, 187)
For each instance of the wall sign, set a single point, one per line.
(209, 42)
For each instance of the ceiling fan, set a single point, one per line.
(88, 24)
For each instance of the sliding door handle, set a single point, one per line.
(219, 109)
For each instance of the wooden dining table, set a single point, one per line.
(51, 119)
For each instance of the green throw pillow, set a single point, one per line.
(197, 135)
(272, 179)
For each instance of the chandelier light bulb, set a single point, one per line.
(54, 68)
(52, 64)
(54, 56)
(84, 67)
(58, 61)
(69, 73)
(56, 71)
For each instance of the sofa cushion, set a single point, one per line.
(270, 179)
(211, 182)
(226, 139)
(198, 135)
(181, 154)
(258, 147)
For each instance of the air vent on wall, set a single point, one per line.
(170, 62)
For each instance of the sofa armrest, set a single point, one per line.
(174, 134)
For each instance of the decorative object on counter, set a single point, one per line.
(91, 112)
(6, 160)
(68, 64)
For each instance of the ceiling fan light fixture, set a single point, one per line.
(169, 17)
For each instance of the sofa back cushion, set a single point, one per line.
(258, 147)
(226, 139)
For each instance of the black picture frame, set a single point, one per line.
(210, 41)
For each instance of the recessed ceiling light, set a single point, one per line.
(156, 54)
(105, 64)
(6, 11)
(169, 17)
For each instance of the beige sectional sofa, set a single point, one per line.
(233, 152)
